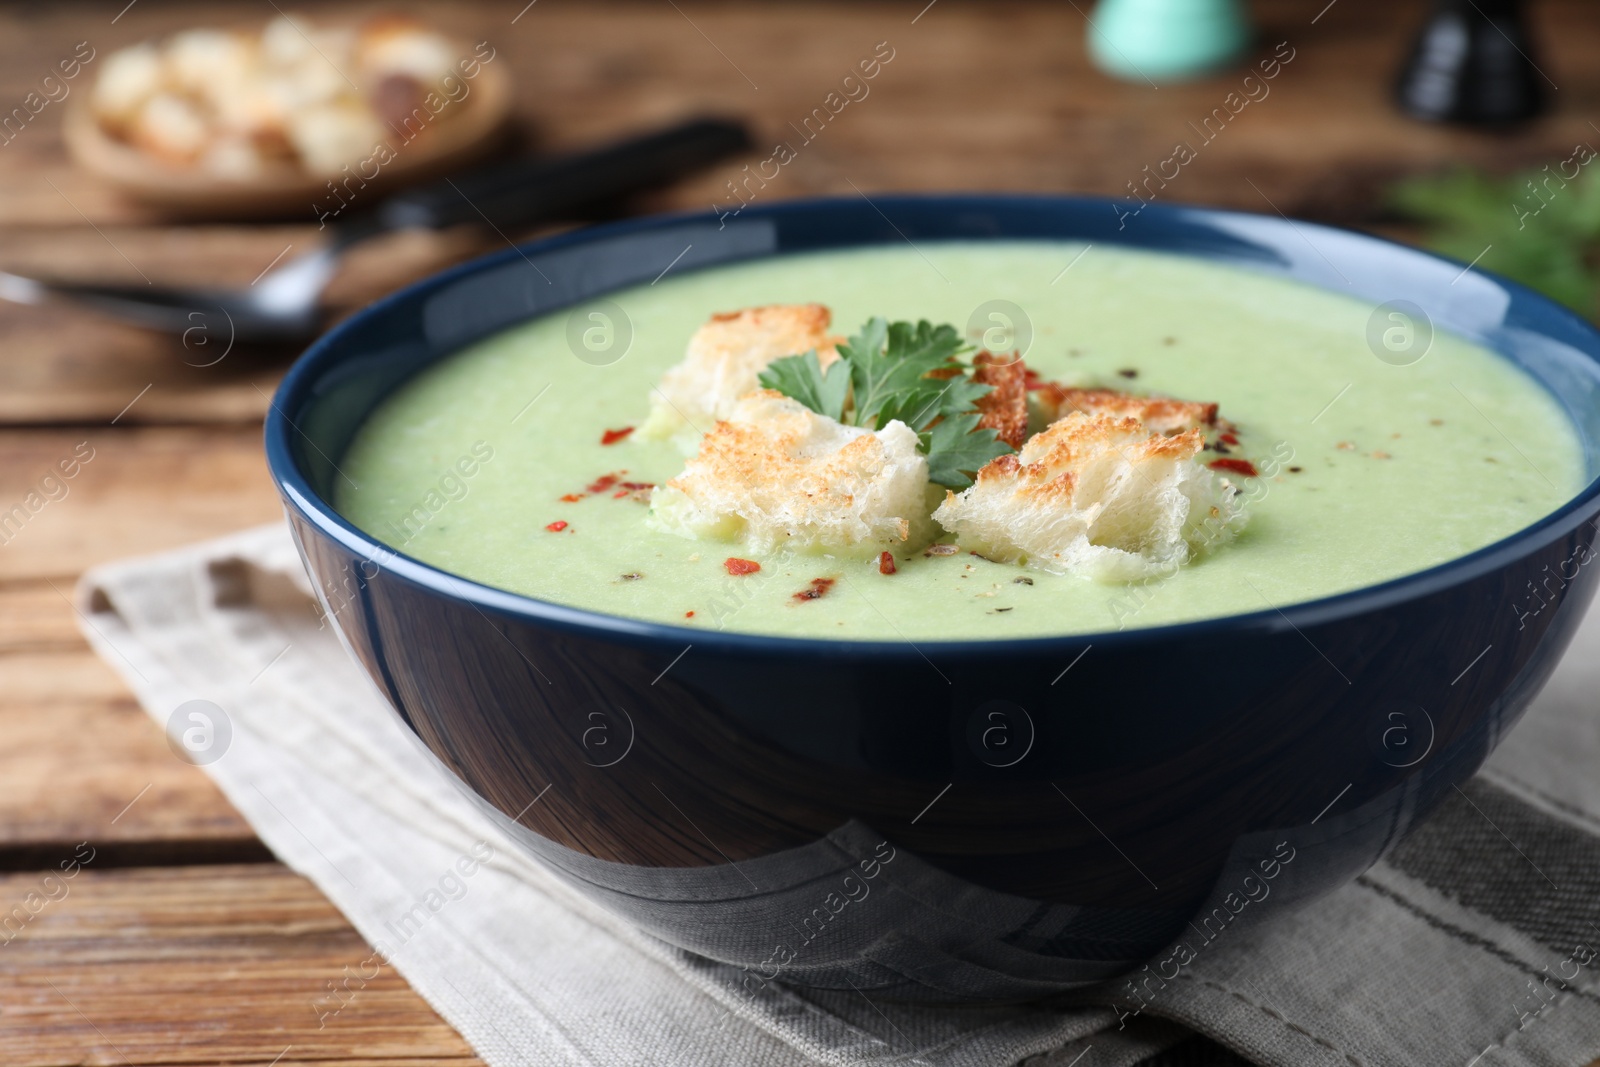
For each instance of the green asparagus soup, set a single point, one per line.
(509, 463)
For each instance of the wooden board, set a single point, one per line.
(67, 365)
(159, 952)
(200, 965)
(978, 96)
(139, 490)
(78, 748)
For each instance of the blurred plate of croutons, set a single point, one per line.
(289, 116)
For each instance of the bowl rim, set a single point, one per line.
(322, 354)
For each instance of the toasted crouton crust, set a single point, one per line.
(1097, 495)
(1005, 407)
(1159, 414)
(726, 355)
(777, 475)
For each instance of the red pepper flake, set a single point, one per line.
(1234, 466)
(819, 587)
(1031, 379)
(619, 494)
(611, 437)
(602, 483)
(688, 614)
(557, 526)
(572, 498)
(736, 566)
(638, 485)
(886, 564)
(1230, 438)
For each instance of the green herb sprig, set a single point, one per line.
(894, 370)
(1539, 229)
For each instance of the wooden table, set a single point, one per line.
(183, 942)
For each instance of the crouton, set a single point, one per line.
(198, 59)
(171, 128)
(1053, 401)
(392, 45)
(329, 136)
(777, 475)
(1005, 406)
(128, 78)
(724, 358)
(1099, 496)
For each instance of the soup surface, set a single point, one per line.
(1369, 470)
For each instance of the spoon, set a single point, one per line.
(282, 305)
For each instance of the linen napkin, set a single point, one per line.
(1476, 942)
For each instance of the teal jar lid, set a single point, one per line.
(1152, 40)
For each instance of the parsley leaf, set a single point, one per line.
(805, 379)
(1537, 227)
(896, 370)
(952, 397)
(889, 364)
(956, 450)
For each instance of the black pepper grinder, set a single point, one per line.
(1472, 64)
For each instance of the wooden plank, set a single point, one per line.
(141, 490)
(993, 96)
(78, 750)
(83, 762)
(200, 965)
(68, 365)
(35, 620)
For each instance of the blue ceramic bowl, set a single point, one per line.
(834, 813)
